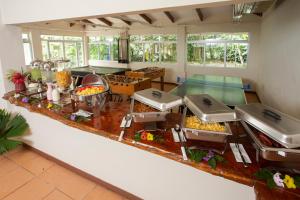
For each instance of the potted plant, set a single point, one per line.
(18, 78)
(11, 126)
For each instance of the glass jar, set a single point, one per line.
(63, 79)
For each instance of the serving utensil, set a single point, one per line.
(127, 119)
(242, 156)
(178, 129)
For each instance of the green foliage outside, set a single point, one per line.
(209, 49)
(11, 126)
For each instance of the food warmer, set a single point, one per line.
(211, 114)
(276, 135)
(160, 102)
(97, 99)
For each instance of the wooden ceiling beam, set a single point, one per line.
(126, 22)
(146, 18)
(170, 16)
(200, 14)
(87, 21)
(105, 21)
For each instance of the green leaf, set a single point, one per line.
(270, 183)
(16, 126)
(263, 174)
(212, 163)
(137, 137)
(197, 155)
(297, 181)
(7, 145)
(10, 127)
(219, 158)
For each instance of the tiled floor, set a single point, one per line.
(26, 175)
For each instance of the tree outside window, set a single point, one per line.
(55, 47)
(153, 48)
(218, 49)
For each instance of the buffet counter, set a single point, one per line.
(146, 169)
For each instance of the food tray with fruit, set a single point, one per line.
(196, 129)
(90, 90)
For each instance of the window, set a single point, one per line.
(103, 48)
(27, 48)
(218, 50)
(56, 47)
(153, 48)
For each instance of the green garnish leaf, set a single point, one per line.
(270, 183)
(212, 163)
(264, 174)
(297, 181)
(137, 137)
(197, 155)
(219, 158)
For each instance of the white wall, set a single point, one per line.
(279, 82)
(11, 55)
(17, 11)
(142, 173)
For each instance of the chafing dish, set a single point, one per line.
(269, 152)
(161, 101)
(93, 99)
(207, 110)
(278, 126)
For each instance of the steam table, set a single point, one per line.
(228, 90)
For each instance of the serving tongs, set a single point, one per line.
(182, 147)
(127, 119)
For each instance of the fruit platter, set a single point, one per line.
(89, 90)
(93, 91)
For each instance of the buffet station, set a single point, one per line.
(252, 144)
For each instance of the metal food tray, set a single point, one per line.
(149, 116)
(205, 135)
(158, 99)
(281, 127)
(272, 153)
(208, 109)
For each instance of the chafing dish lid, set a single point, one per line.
(157, 99)
(277, 125)
(208, 109)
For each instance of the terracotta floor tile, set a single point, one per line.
(68, 182)
(13, 180)
(36, 189)
(19, 148)
(37, 165)
(99, 193)
(57, 195)
(21, 157)
(7, 166)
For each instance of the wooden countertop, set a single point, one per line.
(106, 123)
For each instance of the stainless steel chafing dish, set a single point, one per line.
(159, 100)
(98, 99)
(282, 131)
(208, 110)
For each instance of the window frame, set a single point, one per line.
(160, 42)
(77, 43)
(217, 41)
(98, 43)
(29, 41)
